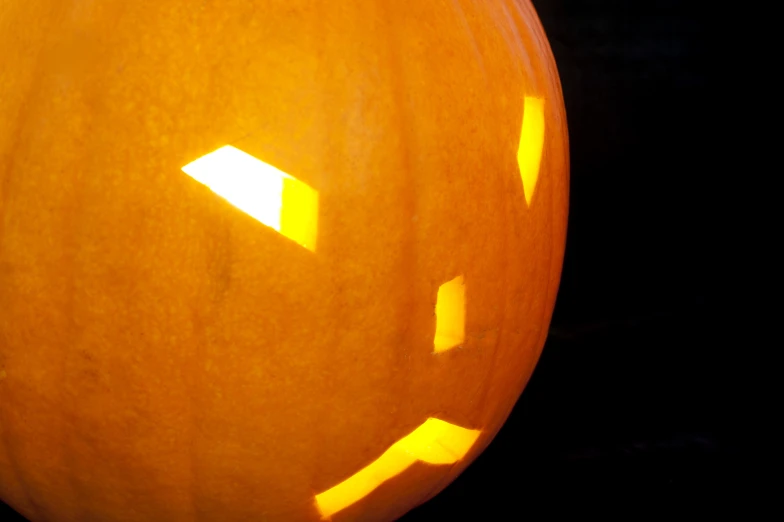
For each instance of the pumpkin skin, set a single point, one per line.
(164, 355)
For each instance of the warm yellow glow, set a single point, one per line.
(265, 193)
(529, 152)
(450, 315)
(434, 441)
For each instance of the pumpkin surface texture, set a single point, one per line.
(283, 260)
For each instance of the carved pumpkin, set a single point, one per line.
(268, 260)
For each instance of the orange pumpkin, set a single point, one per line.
(268, 260)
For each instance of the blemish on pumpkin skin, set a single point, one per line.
(3, 375)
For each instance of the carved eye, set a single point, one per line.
(529, 152)
(271, 196)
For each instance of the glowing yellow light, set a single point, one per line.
(529, 152)
(265, 193)
(434, 441)
(450, 315)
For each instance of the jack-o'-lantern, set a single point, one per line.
(268, 260)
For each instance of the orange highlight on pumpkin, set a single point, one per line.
(265, 193)
(434, 442)
(529, 151)
(450, 315)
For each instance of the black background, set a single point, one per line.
(637, 402)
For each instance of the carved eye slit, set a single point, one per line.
(269, 195)
(529, 151)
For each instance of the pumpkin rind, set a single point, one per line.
(166, 356)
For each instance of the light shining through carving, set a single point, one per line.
(265, 193)
(450, 315)
(529, 151)
(434, 442)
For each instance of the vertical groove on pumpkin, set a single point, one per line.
(514, 38)
(318, 34)
(406, 120)
(15, 469)
(398, 378)
(464, 23)
(71, 229)
(85, 365)
(192, 429)
(403, 82)
(554, 100)
(530, 84)
(31, 504)
(520, 61)
(484, 389)
(22, 116)
(402, 119)
(216, 234)
(38, 55)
